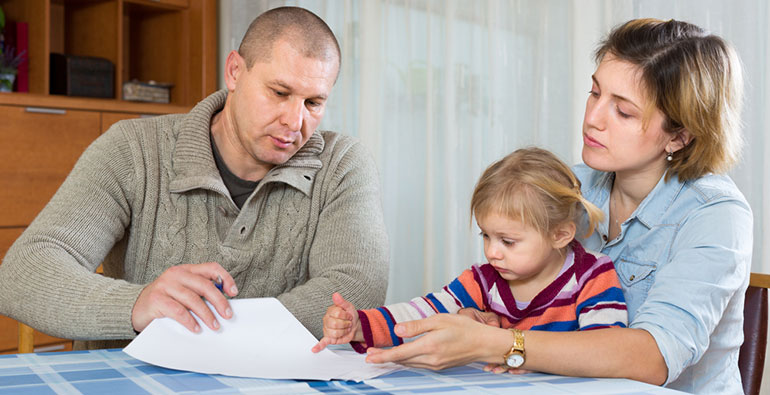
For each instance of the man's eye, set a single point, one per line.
(280, 93)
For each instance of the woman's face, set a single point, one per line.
(614, 134)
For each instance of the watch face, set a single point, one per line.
(515, 360)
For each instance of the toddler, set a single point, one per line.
(538, 277)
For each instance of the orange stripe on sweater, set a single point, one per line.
(598, 284)
(551, 314)
(472, 287)
(380, 330)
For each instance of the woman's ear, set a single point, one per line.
(679, 140)
(563, 234)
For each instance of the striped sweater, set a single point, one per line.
(585, 295)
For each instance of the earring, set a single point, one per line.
(670, 156)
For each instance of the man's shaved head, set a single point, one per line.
(303, 30)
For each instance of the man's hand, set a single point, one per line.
(181, 290)
(341, 324)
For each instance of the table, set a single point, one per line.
(113, 372)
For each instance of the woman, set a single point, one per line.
(661, 119)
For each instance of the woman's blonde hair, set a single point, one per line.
(695, 80)
(535, 187)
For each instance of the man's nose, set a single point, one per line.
(293, 114)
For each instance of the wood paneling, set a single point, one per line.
(7, 237)
(37, 153)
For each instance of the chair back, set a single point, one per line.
(26, 338)
(751, 360)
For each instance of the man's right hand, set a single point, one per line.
(181, 290)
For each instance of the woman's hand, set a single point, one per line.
(449, 340)
(341, 324)
(491, 319)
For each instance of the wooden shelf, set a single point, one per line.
(85, 103)
(167, 41)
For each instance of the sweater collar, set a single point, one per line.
(193, 161)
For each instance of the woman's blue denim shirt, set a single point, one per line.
(684, 259)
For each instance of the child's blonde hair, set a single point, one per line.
(535, 187)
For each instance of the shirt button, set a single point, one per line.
(604, 237)
(631, 278)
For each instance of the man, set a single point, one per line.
(241, 192)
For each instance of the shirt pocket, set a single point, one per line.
(636, 274)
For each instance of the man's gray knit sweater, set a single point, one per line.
(147, 195)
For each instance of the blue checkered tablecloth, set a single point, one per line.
(113, 372)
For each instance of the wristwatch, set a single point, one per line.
(515, 357)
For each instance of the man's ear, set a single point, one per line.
(679, 140)
(235, 66)
(563, 234)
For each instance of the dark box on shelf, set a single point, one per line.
(82, 76)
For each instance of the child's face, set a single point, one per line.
(517, 251)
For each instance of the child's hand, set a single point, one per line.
(484, 317)
(497, 368)
(341, 324)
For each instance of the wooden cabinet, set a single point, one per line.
(37, 153)
(169, 41)
(43, 135)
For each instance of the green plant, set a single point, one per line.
(2, 20)
(10, 62)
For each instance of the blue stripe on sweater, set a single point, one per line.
(459, 291)
(558, 326)
(393, 338)
(440, 307)
(615, 324)
(613, 294)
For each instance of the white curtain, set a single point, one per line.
(438, 89)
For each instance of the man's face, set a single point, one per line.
(277, 105)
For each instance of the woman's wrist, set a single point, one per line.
(499, 343)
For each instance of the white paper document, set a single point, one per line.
(262, 340)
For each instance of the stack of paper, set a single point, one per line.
(262, 340)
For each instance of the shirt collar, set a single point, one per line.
(651, 210)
